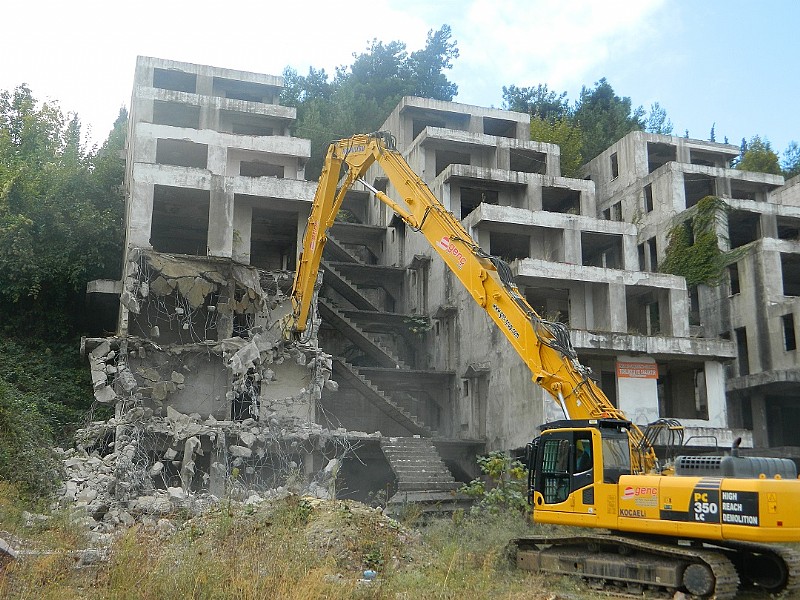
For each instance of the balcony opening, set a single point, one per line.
(653, 252)
(445, 158)
(528, 161)
(273, 238)
(471, 198)
(789, 228)
(733, 274)
(641, 249)
(177, 81)
(648, 198)
(684, 391)
(244, 90)
(419, 125)
(643, 310)
(509, 246)
(248, 124)
(696, 187)
(601, 250)
(180, 220)
(748, 190)
(789, 339)
(561, 200)
(743, 360)
(260, 169)
(790, 270)
(181, 153)
(783, 420)
(707, 159)
(614, 166)
(616, 212)
(743, 228)
(659, 155)
(500, 127)
(694, 306)
(176, 114)
(552, 304)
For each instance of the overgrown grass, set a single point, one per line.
(289, 549)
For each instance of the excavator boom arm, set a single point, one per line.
(544, 346)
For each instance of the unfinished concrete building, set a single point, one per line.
(207, 396)
(630, 325)
(659, 182)
(406, 378)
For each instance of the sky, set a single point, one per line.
(732, 64)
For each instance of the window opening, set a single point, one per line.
(789, 340)
(614, 166)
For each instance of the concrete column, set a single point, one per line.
(205, 85)
(242, 231)
(758, 406)
(674, 313)
(140, 215)
(572, 247)
(450, 198)
(220, 219)
(618, 320)
(715, 393)
(721, 227)
(769, 226)
(502, 156)
(630, 253)
(218, 160)
(482, 237)
(553, 165)
(577, 306)
(723, 185)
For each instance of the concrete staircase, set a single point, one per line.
(422, 477)
(382, 355)
(345, 372)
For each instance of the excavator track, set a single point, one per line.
(771, 568)
(642, 565)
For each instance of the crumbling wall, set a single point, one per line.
(197, 414)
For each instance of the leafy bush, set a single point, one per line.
(26, 458)
(506, 481)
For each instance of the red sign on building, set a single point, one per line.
(637, 370)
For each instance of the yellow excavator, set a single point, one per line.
(702, 525)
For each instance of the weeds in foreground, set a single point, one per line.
(295, 548)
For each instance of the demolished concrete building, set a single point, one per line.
(406, 379)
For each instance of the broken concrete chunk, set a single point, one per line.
(156, 469)
(170, 453)
(150, 374)
(105, 395)
(160, 391)
(99, 352)
(247, 438)
(177, 377)
(126, 380)
(161, 287)
(240, 451)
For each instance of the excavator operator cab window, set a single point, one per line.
(566, 465)
(583, 454)
(616, 457)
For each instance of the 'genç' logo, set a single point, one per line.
(628, 494)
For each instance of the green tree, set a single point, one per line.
(60, 214)
(759, 157)
(657, 121)
(567, 135)
(604, 118)
(361, 95)
(791, 160)
(537, 101)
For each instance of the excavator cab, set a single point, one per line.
(575, 455)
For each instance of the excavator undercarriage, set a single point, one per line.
(633, 565)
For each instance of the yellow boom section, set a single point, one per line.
(544, 346)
